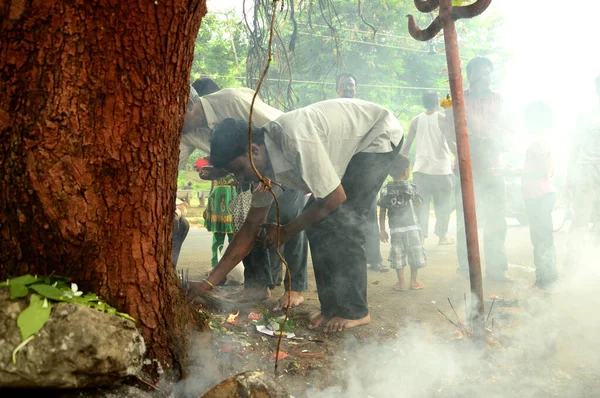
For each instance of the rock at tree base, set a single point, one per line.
(117, 392)
(246, 385)
(78, 347)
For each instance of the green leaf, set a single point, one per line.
(34, 317)
(90, 297)
(23, 280)
(50, 292)
(18, 291)
(126, 316)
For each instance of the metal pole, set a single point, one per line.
(464, 162)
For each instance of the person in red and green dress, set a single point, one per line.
(217, 216)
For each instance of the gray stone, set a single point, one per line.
(117, 392)
(78, 347)
(248, 385)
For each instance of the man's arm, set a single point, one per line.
(412, 132)
(445, 131)
(576, 146)
(242, 243)
(383, 235)
(318, 211)
(185, 151)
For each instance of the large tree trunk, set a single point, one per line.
(92, 98)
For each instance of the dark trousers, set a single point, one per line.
(438, 188)
(541, 230)
(373, 244)
(490, 199)
(180, 230)
(263, 268)
(586, 195)
(337, 243)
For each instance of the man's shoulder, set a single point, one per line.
(229, 93)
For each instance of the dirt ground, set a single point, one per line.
(315, 358)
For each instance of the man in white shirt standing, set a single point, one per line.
(261, 268)
(583, 180)
(339, 150)
(432, 170)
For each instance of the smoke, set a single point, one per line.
(203, 371)
(547, 346)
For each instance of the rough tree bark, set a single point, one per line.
(92, 98)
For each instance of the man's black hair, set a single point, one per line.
(229, 140)
(430, 100)
(477, 62)
(205, 86)
(399, 166)
(342, 76)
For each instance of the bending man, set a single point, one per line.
(261, 269)
(339, 150)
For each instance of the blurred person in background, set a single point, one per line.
(432, 170)
(538, 192)
(583, 180)
(489, 134)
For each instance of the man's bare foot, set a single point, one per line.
(317, 321)
(337, 324)
(251, 294)
(294, 299)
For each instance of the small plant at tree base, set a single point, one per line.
(46, 290)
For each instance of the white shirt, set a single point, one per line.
(588, 137)
(310, 148)
(226, 103)
(432, 154)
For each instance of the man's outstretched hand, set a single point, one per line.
(270, 237)
(196, 289)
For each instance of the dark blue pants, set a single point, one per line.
(180, 231)
(337, 243)
(541, 230)
(263, 268)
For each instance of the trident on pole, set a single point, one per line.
(445, 20)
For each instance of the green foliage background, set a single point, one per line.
(392, 69)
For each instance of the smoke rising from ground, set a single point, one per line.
(550, 349)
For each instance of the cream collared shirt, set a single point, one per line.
(311, 147)
(226, 103)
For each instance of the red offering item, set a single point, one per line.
(200, 163)
(282, 355)
(254, 316)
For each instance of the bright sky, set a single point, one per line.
(225, 5)
(556, 57)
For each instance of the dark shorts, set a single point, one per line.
(407, 249)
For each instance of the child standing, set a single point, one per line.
(401, 200)
(217, 216)
(539, 193)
